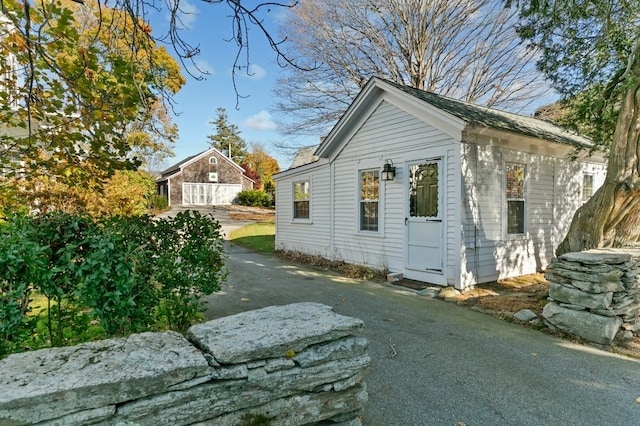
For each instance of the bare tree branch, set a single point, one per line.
(465, 49)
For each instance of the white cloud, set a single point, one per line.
(255, 72)
(187, 14)
(202, 66)
(260, 121)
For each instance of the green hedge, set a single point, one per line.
(101, 278)
(254, 198)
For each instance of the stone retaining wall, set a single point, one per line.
(285, 365)
(595, 294)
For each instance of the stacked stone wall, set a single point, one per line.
(595, 294)
(285, 365)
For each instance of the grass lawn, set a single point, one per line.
(259, 237)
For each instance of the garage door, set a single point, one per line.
(207, 194)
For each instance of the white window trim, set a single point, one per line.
(363, 166)
(593, 180)
(213, 160)
(505, 217)
(293, 200)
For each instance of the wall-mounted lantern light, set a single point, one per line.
(388, 171)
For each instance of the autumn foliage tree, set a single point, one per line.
(264, 165)
(77, 78)
(591, 54)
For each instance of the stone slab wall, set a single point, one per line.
(595, 294)
(282, 365)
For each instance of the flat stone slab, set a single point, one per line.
(601, 256)
(52, 383)
(272, 332)
(592, 327)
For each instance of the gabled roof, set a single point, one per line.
(476, 115)
(176, 167)
(304, 156)
(457, 114)
(179, 166)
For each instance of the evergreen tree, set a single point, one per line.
(227, 138)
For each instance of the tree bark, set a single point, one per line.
(611, 218)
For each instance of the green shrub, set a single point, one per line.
(254, 198)
(101, 278)
(158, 202)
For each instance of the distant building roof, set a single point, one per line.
(176, 167)
(304, 156)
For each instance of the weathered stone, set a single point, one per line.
(611, 276)
(429, 292)
(276, 364)
(215, 399)
(572, 306)
(525, 315)
(597, 257)
(94, 415)
(51, 383)
(271, 332)
(589, 286)
(256, 374)
(321, 353)
(579, 267)
(448, 293)
(239, 371)
(302, 409)
(592, 327)
(582, 298)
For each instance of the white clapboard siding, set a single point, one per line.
(313, 236)
(391, 126)
(553, 193)
(389, 133)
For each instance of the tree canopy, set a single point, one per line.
(226, 138)
(80, 75)
(465, 49)
(585, 50)
(591, 53)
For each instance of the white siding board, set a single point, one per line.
(388, 133)
(476, 248)
(313, 237)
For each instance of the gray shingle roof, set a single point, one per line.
(304, 156)
(476, 115)
(176, 167)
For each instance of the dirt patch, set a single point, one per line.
(504, 298)
(509, 296)
(257, 214)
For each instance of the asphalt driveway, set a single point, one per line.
(434, 363)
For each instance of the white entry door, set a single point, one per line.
(424, 216)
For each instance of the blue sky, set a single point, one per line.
(209, 26)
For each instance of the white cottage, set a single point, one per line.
(477, 194)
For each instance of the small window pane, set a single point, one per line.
(515, 217)
(369, 197)
(515, 177)
(301, 200)
(515, 180)
(369, 216)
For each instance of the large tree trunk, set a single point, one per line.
(611, 218)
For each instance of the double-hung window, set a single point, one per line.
(515, 196)
(369, 199)
(301, 197)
